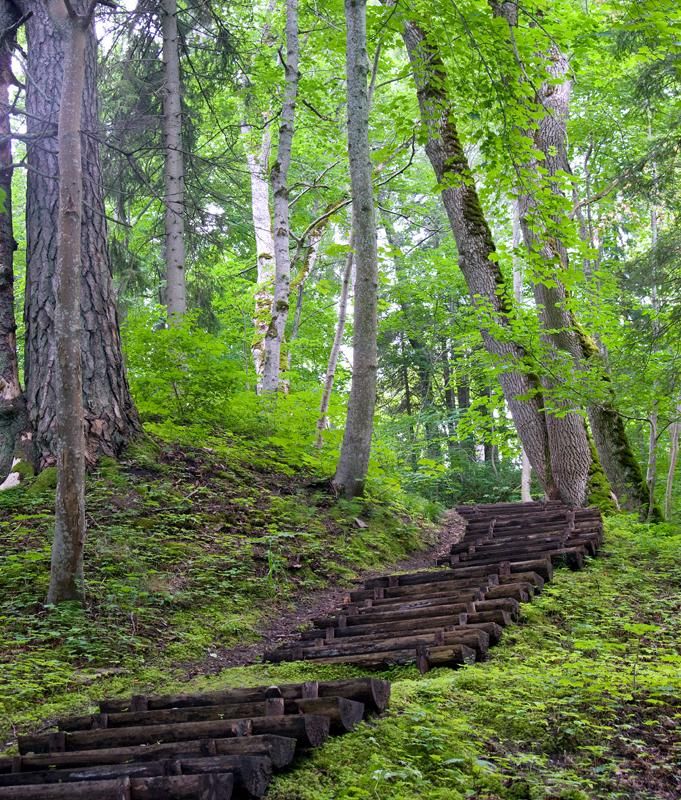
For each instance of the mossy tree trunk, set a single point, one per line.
(477, 256)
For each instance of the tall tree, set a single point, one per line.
(477, 256)
(176, 289)
(110, 416)
(541, 234)
(12, 402)
(354, 457)
(66, 574)
(274, 338)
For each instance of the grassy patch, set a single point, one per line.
(190, 550)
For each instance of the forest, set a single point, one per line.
(282, 284)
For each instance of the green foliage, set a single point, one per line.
(180, 373)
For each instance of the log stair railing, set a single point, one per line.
(213, 746)
(452, 616)
(227, 744)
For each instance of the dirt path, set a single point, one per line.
(319, 603)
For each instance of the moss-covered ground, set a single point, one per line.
(191, 550)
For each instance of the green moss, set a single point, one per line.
(44, 481)
(599, 493)
(24, 469)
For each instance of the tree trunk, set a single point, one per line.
(258, 162)
(12, 402)
(525, 466)
(651, 471)
(354, 457)
(176, 290)
(276, 329)
(66, 575)
(477, 257)
(674, 431)
(110, 417)
(323, 421)
(610, 438)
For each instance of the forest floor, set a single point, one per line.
(197, 558)
(192, 560)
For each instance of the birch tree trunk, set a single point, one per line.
(66, 575)
(525, 466)
(477, 258)
(354, 457)
(674, 432)
(258, 162)
(110, 416)
(12, 403)
(276, 329)
(176, 290)
(346, 284)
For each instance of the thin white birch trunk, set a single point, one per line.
(323, 421)
(176, 291)
(276, 329)
(258, 162)
(525, 466)
(674, 432)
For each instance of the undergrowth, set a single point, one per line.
(191, 550)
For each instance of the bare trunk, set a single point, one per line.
(477, 257)
(354, 457)
(66, 576)
(276, 329)
(323, 421)
(176, 291)
(525, 466)
(264, 246)
(12, 401)
(310, 253)
(651, 471)
(110, 417)
(674, 432)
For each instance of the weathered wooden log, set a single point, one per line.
(225, 697)
(418, 623)
(271, 707)
(90, 790)
(344, 715)
(393, 604)
(414, 578)
(503, 604)
(457, 654)
(279, 749)
(532, 578)
(443, 582)
(184, 787)
(542, 566)
(502, 618)
(522, 592)
(311, 730)
(143, 734)
(373, 692)
(102, 772)
(251, 774)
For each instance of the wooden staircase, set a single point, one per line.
(448, 617)
(228, 744)
(213, 746)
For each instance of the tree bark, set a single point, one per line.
(525, 466)
(674, 432)
(12, 401)
(110, 417)
(477, 258)
(66, 575)
(610, 438)
(176, 290)
(354, 457)
(323, 421)
(276, 329)
(258, 161)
